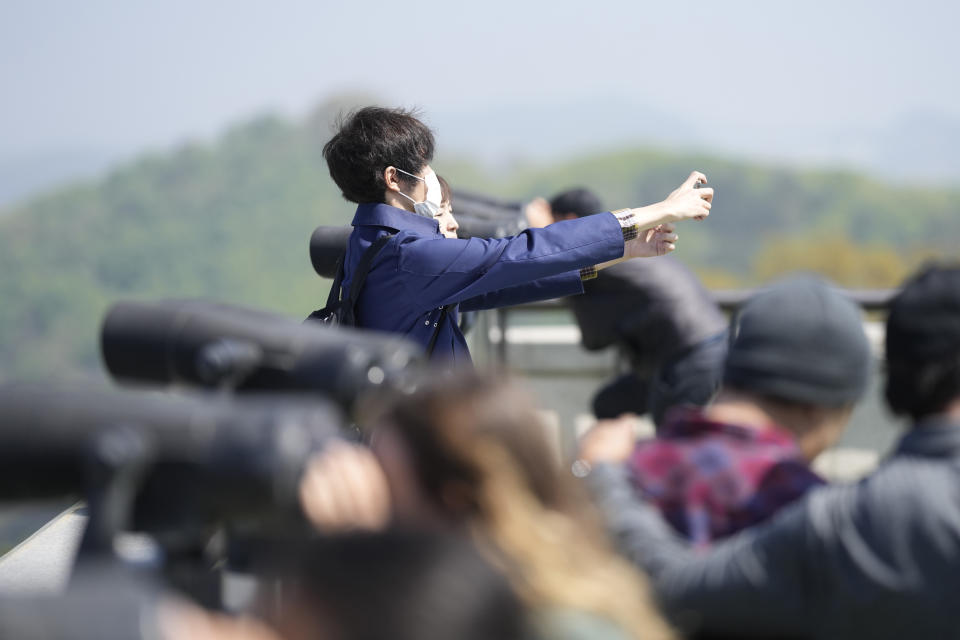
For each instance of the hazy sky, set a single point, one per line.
(123, 75)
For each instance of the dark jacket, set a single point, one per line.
(654, 308)
(419, 270)
(876, 559)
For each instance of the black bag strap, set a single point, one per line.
(363, 268)
(334, 295)
(436, 332)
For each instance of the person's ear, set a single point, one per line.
(390, 178)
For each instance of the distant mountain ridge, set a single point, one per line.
(25, 174)
(919, 147)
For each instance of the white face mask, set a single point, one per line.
(430, 207)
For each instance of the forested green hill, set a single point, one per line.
(231, 220)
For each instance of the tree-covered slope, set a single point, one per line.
(229, 220)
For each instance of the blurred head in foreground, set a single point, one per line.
(799, 351)
(471, 453)
(923, 345)
(367, 586)
(398, 585)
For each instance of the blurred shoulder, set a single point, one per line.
(573, 624)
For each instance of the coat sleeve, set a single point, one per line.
(754, 582)
(440, 271)
(559, 286)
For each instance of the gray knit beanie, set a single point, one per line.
(800, 340)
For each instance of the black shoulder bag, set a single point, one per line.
(339, 311)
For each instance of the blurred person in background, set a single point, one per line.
(380, 159)
(656, 311)
(875, 559)
(470, 454)
(448, 227)
(446, 221)
(798, 364)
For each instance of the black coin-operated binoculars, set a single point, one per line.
(202, 344)
(258, 395)
(229, 460)
(175, 466)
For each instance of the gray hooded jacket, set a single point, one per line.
(876, 559)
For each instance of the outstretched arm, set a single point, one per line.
(654, 242)
(559, 286)
(443, 271)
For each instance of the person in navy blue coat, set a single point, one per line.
(380, 159)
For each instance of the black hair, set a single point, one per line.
(403, 585)
(580, 202)
(368, 141)
(923, 343)
(921, 389)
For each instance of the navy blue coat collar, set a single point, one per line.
(376, 214)
(933, 438)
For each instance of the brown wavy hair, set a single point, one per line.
(482, 456)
